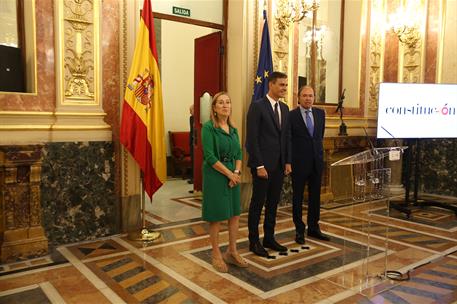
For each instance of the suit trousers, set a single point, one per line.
(264, 191)
(299, 180)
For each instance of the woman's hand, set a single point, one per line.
(234, 179)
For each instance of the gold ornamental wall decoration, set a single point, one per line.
(377, 46)
(280, 47)
(408, 23)
(376, 52)
(375, 72)
(78, 50)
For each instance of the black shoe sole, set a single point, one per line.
(260, 255)
(323, 238)
(276, 249)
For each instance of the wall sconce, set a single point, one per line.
(405, 23)
(289, 11)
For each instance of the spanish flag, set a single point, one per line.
(142, 127)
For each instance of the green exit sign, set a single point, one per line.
(181, 11)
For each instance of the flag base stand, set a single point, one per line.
(145, 234)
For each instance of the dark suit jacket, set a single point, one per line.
(266, 143)
(307, 147)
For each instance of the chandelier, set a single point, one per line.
(405, 23)
(290, 11)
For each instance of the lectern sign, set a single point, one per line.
(417, 110)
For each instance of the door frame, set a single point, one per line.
(221, 27)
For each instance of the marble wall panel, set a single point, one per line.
(438, 166)
(45, 99)
(46, 90)
(391, 48)
(431, 46)
(77, 191)
(110, 62)
(111, 76)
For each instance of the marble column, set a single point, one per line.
(22, 233)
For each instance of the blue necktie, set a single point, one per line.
(309, 122)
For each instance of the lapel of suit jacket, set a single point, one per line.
(272, 113)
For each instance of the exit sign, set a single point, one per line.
(181, 11)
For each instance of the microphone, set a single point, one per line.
(369, 141)
(395, 140)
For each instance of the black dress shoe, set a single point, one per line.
(272, 244)
(257, 249)
(318, 235)
(300, 239)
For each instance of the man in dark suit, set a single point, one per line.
(268, 146)
(307, 126)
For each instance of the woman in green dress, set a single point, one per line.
(221, 179)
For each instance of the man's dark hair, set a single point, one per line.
(276, 75)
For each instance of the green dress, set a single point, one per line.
(220, 202)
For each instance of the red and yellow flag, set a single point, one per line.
(142, 127)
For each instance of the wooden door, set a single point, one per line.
(207, 78)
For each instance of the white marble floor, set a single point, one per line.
(166, 208)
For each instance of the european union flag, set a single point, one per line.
(265, 66)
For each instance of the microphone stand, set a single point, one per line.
(339, 108)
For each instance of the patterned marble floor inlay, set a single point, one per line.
(194, 201)
(53, 259)
(138, 282)
(30, 296)
(300, 262)
(177, 268)
(430, 216)
(403, 235)
(96, 249)
(432, 283)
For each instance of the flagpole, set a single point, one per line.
(144, 234)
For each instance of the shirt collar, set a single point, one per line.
(303, 110)
(271, 100)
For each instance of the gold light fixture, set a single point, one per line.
(405, 23)
(290, 11)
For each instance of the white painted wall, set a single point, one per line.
(352, 51)
(177, 73)
(205, 10)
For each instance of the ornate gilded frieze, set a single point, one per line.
(375, 71)
(280, 47)
(412, 62)
(412, 47)
(376, 57)
(78, 51)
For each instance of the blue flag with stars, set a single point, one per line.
(265, 67)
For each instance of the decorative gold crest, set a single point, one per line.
(143, 88)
